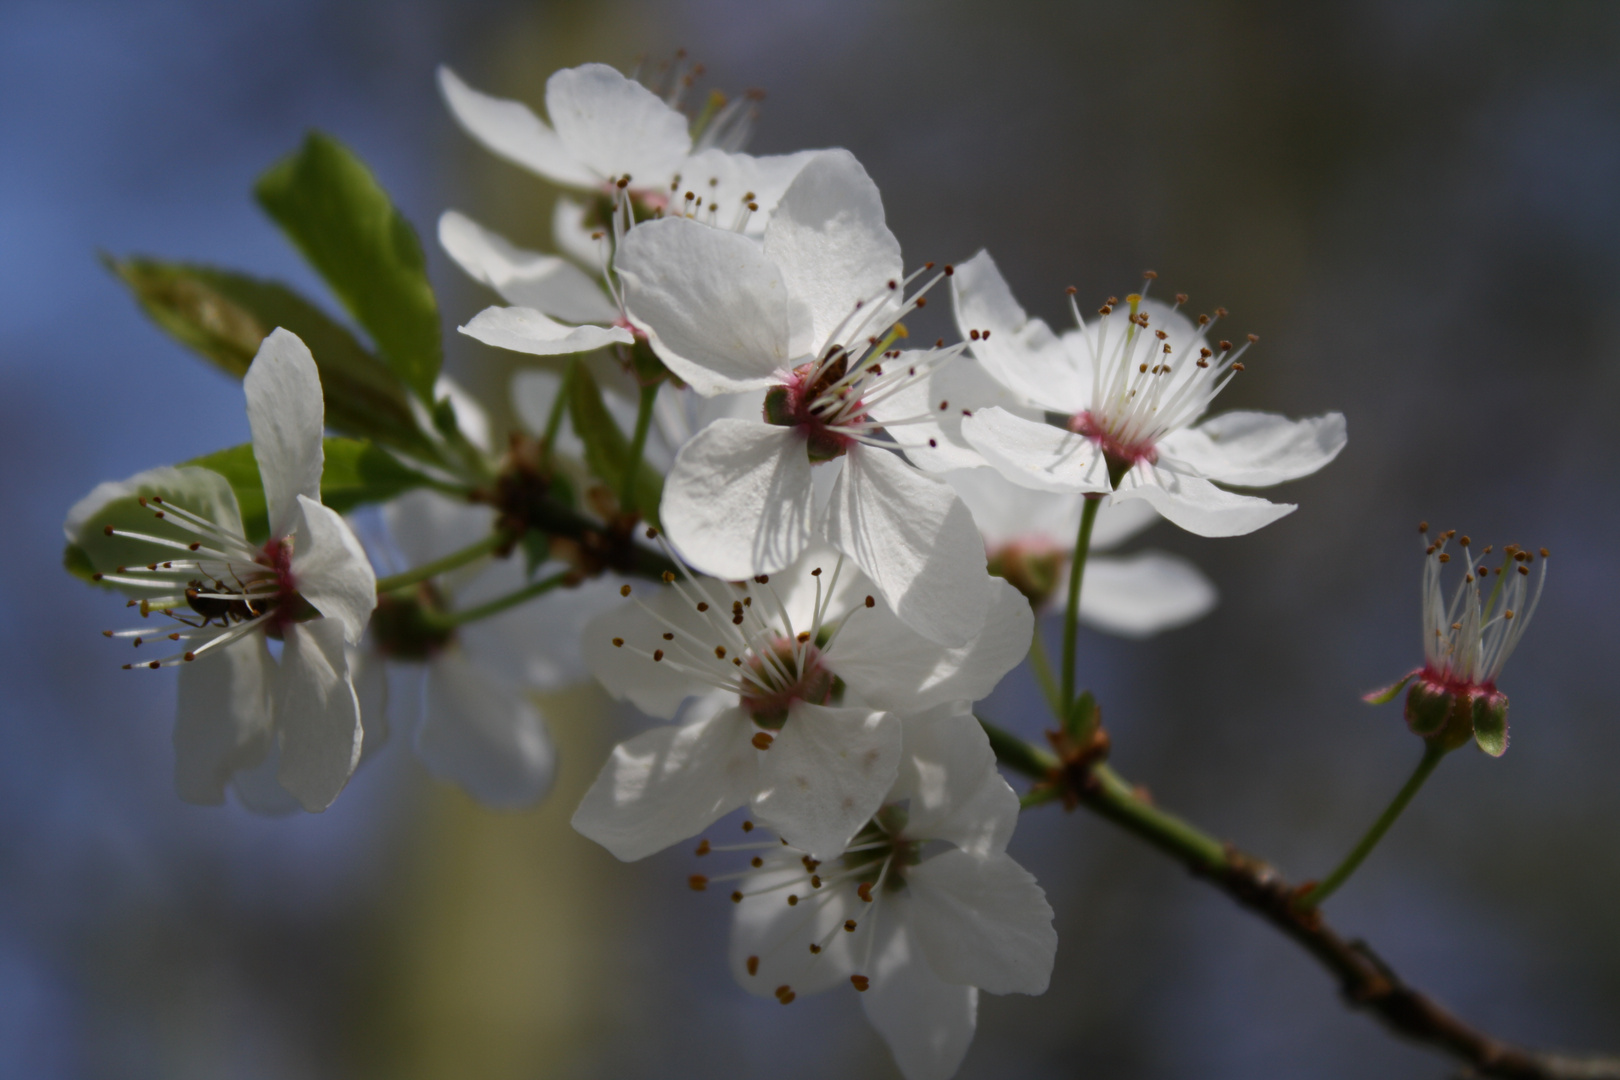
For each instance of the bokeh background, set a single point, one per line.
(1417, 206)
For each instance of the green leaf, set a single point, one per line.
(356, 473)
(225, 315)
(607, 450)
(331, 206)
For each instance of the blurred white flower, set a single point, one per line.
(808, 317)
(1129, 384)
(800, 681)
(309, 585)
(1029, 539)
(921, 911)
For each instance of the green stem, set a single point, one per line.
(1041, 664)
(1071, 616)
(1017, 754)
(500, 604)
(638, 443)
(1432, 753)
(1112, 797)
(439, 566)
(558, 408)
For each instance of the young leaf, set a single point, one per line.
(225, 315)
(356, 473)
(607, 450)
(330, 205)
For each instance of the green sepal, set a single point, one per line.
(1388, 693)
(333, 209)
(76, 561)
(1427, 709)
(224, 316)
(356, 473)
(1490, 723)
(1082, 717)
(607, 450)
(645, 363)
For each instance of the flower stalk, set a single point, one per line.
(454, 560)
(1071, 614)
(1433, 752)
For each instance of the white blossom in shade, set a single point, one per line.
(1467, 639)
(606, 128)
(1029, 539)
(1131, 384)
(800, 681)
(556, 307)
(221, 596)
(919, 912)
(809, 317)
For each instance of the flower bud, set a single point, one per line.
(1032, 570)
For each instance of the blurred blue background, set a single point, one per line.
(1417, 207)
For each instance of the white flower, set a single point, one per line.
(809, 317)
(803, 680)
(1029, 538)
(606, 128)
(923, 909)
(1130, 383)
(223, 596)
(470, 684)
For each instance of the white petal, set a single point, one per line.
(916, 541)
(723, 179)
(714, 307)
(222, 718)
(948, 771)
(831, 245)
(737, 501)
(317, 714)
(1021, 353)
(201, 491)
(616, 126)
(536, 644)
(669, 784)
(425, 525)
(826, 775)
(286, 412)
(628, 671)
(1255, 449)
(1034, 454)
(258, 790)
(483, 734)
(573, 237)
(927, 1023)
(1196, 504)
(549, 284)
(331, 569)
(510, 129)
(981, 920)
(777, 935)
(891, 666)
(1142, 594)
(961, 385)
(526, 330)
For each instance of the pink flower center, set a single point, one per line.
(1120, 455)
(794, 404)
(287, 605)
(789, 672)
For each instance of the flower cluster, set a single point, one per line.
(734, 491)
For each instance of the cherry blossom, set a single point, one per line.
(797, 684)
(1132, 383)
(223, 597)
(808, 316)
(918, 913)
